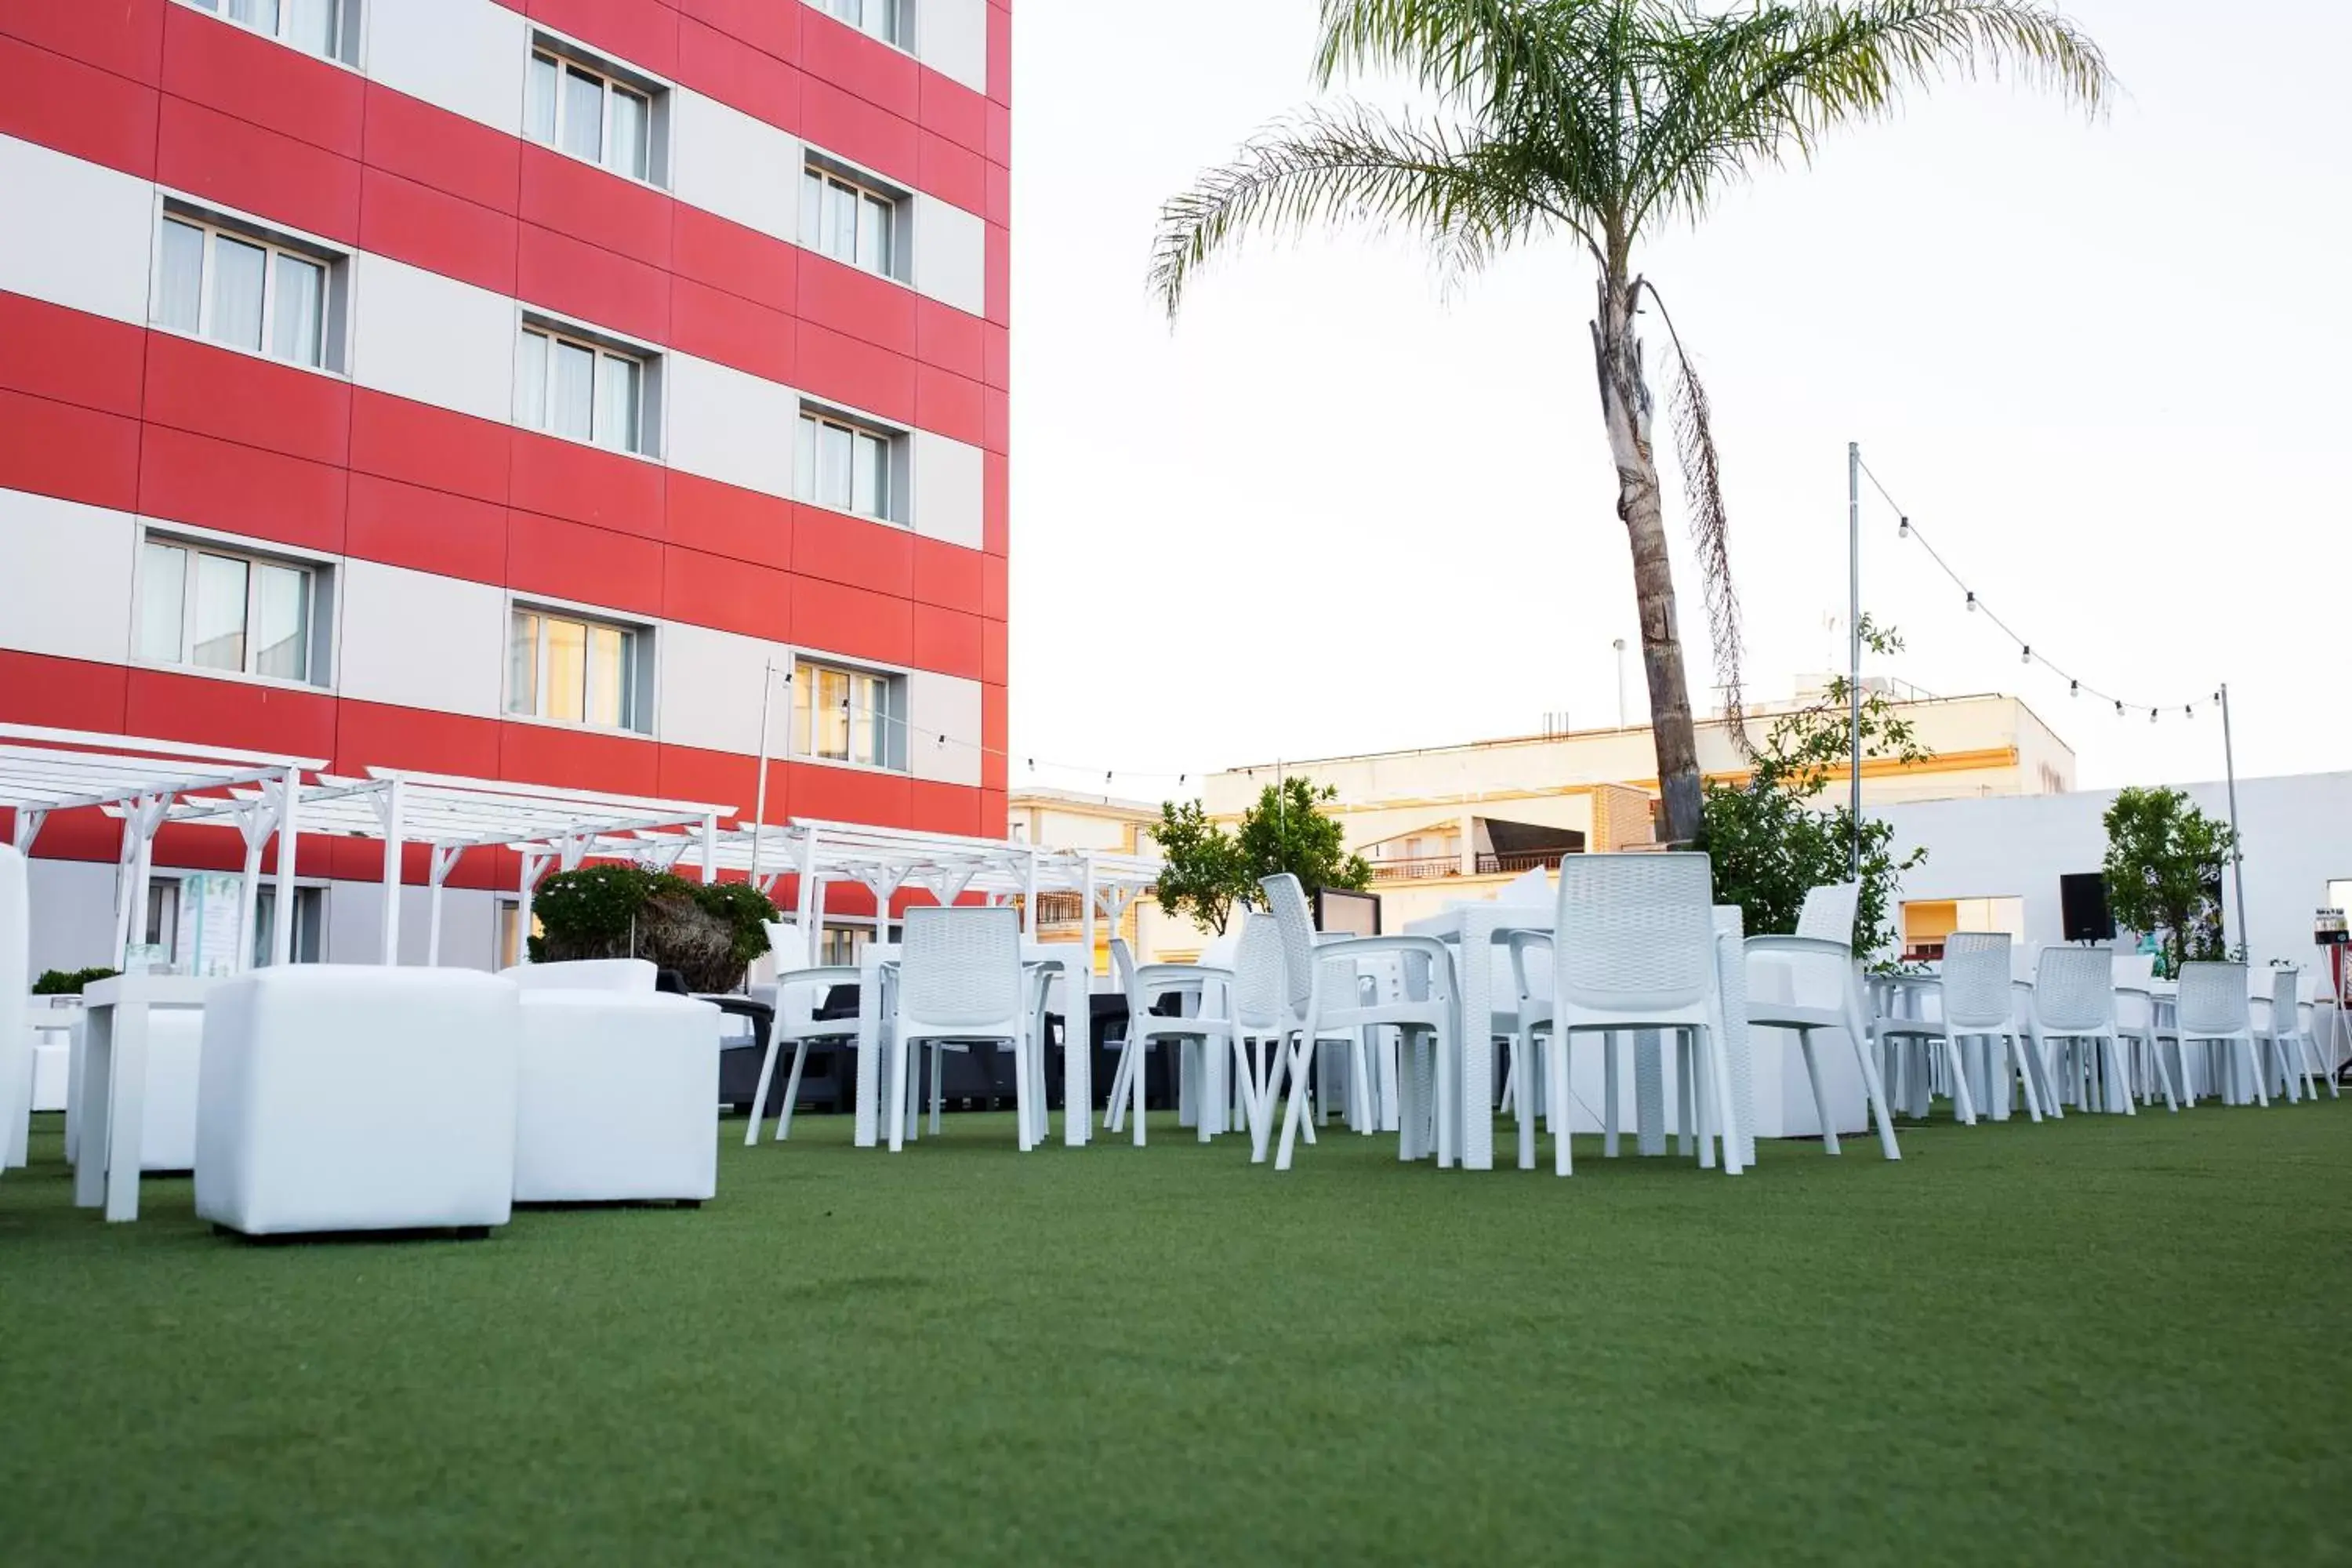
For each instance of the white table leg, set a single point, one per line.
(94, 1095)
(869, 1054)
(1078, 1059)
(127, 1111)
(1471, 1074)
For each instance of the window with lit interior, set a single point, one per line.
(842, 714)
(574, 671)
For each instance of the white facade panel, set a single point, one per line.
(710, 683)
(743, 169)
(952, 37)
(729, 426)
(417, 640)
(948, 484)
(464, 55)
(943, 705)
(432, 338)
(64, 578)
(950, 255)
(77, 234)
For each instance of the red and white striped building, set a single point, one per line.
(503, 388)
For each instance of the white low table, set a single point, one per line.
(114, 1083)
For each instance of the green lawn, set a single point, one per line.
(2100, 1341)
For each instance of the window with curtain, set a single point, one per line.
(207, 608)
(579, 390)
(846, 466)
(842, 714)
(572, 670)
(884, 19)
(855, 223)
(242, 291)
(314, 27)
(576, 108)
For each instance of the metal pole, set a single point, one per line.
(1853, 632)
(2237, 847)
(1620, 646)
(759, 807)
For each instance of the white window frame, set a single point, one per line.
(637, 710)
(637, 442)
(897, 507)
(897, 263)
(802, 745)
(565, 58)
(891, 22)
(330, 264)
(318, 597)
(343, 31)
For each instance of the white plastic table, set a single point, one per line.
(114, 1083)
(1065, 959)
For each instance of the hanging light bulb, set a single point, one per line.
(2151, 715)
(2189, 711)
(1972, 600)
(1902, 529)
(2119, 709)
(2073, 688)
(2025, 653)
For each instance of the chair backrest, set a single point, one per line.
(2213, 999)
(2075, 989)
(1976, 980)
(2286, 1000)
(1288, 900)
(1261, 977)
(1636, 930)
(961, 965)
(2136, 970)
(1122, 967)
(1829, 912)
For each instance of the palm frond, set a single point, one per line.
(1467, 196)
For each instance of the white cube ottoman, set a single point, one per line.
(616, 1097)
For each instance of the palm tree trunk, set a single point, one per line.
(1626, 408)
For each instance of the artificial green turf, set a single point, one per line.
(2107, 1340)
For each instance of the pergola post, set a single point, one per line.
(1086, 906)
(389, 810)
(255, 821)
(139, 824)
(534, 861)
(281, 932)
(711, 849)
(882, 885)
(444, 860)
(27, 827)
(1029, 900)
(810, 901)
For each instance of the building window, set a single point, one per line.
(888, 20)
(854, 220)
(243, 290)
(591, 114)
(844, 715)
(314, 27)
(575, 671)
(850, 467)
(218, 609)
(582, 391)
(310, 924)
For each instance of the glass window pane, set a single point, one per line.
(867, 482)
(833, 715)
(608, 677)
(281, 622)
(617, 403)
(874, 236)
(179, 293)
(297, 326)
(522, 664)
(539, 100)
(261, 13)
(805, 460)
(220, 612)
(803, 680)
(874, 726)
(574, 400)
(841, 223)
(238, 271)
(162, 599)
(530, 381)
(811, 208)
(310, 25)
(567, 671)
(835, 443)
(632, 134)
(583, 114)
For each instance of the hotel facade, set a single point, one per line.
(507, 390)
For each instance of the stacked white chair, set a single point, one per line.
(1323, 998)
(1634, 949)
(961, 982)
(1825, 992)
(2214, 1012)
(1261, 1024)
(15, 1026)
(2075, 1005)
(1973, 1002)
(796, 998)
(1206, 1036)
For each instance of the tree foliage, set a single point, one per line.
(1771, 840)
(1207, 870)
(2164, 865)
(709, 932)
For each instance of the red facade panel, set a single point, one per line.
(62, 450)
(738, 73)
(720, 520)
(187, 478)
(448, 152)
(426, 529)
(421, 444)
(237, 72)
(770, 29)
(595, 566)
(729, 595)
(432, 229)
(636, 32)
(237, 397)
(595, 207)
(585, 484)
(50, 352)
(849, 550)
(212, 155)
(76, 108)
(124, 36)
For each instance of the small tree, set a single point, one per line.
(1207, 870)
(1200, 872)
(1770, 841)
(2164, 859)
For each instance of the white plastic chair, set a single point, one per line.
(2074, 1004)
(1825, 992)
(1324, 998)
(1634, 949)
(2134, 982)
(2289, 1058)
(796, 998)
(2306, 1022)
(1206, 1036)
(2214, 1009)
(1974, 1002)
(961, 980)
(1261, 1022)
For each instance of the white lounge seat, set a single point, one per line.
(339, 1097)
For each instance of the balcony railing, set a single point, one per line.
(1520, 860)
(1419, 868)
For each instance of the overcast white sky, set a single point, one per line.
(2103, 365)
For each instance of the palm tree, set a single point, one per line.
(1603, 118)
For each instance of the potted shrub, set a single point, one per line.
(709, 932)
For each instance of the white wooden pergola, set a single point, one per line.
(143, 782)
(548, 827)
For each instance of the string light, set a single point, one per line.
(1972, 601)
(2025, 653)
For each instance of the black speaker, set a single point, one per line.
(2083, 905)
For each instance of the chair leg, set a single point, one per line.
(1686, 1102)
(1524, 1058)
(898, 1094)
(1961, 1100)
(1608, 1095)
(1820, 1101)
(1115, 1102)
(1556, 1057)
(792, 1091)
(1135, 1085)
(760, 1095)
(939, 1088)
(1277, 1070)
(2017, 1049)
(2162, 1072)
(1302, 1065)
(1714, 1046)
